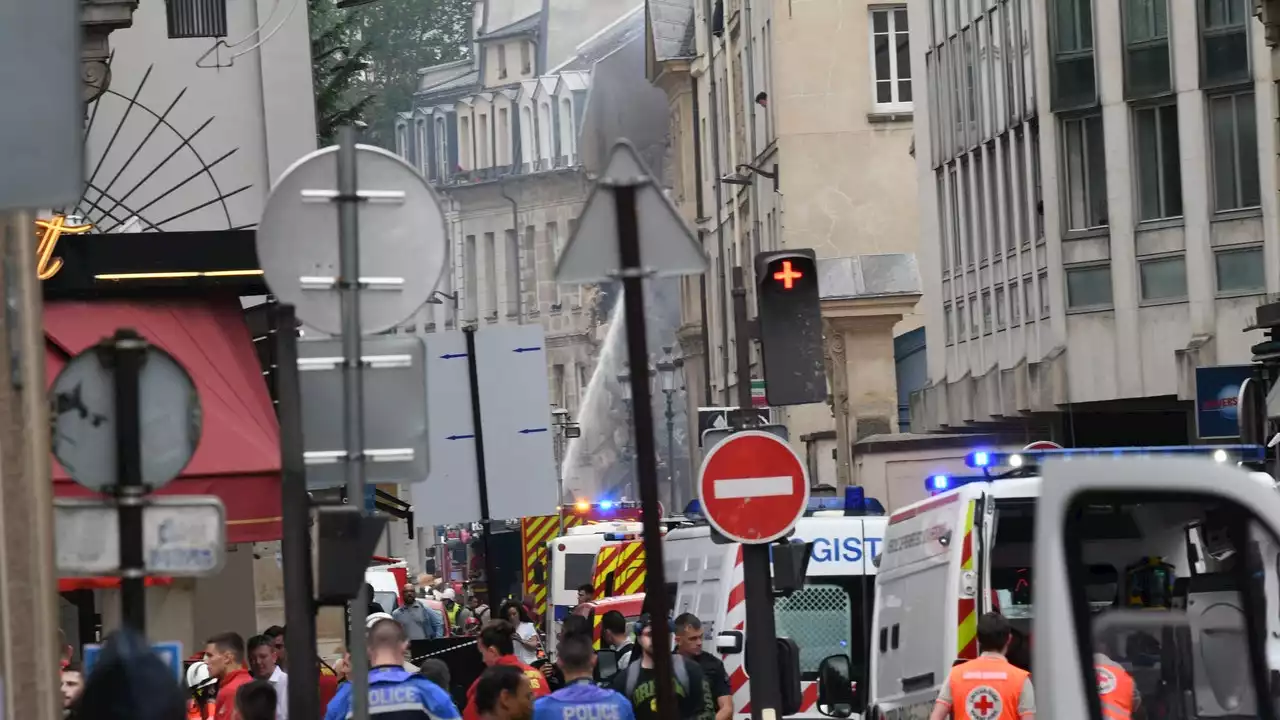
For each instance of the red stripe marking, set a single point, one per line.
(809, 698)
(737, 679)
(738, 560)
(920, 509)
(737, 596)
(966, 548)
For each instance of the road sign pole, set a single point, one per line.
(624, 197)
(352, 383)
(127, 350)
(766, 692)
(295, 544)
(482, 479)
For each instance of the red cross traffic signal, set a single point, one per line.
(790, 319)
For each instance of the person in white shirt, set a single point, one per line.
(264, 665)
(527, 642)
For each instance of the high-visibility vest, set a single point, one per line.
(193, 710)
(986, 688)
(1115, 691)
(452, 615)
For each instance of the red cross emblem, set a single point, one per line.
(1106, 681)
(984, 703)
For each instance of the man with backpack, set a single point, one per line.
(638, 683)
(614, 636)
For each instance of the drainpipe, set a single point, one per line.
(719, 191)
(700, 211)
(515, 237)
(731, 137)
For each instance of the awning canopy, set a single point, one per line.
(238, 458)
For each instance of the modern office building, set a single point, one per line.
(1096, 224)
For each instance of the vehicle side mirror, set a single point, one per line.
(835, 687)
(606, 664)
(729, 642)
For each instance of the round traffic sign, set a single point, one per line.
(84, 419)
(753, 487)
(402, 240)
(1042, 445)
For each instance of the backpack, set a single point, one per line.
(677, 662)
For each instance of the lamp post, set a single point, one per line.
(566, 429)
(669, 373)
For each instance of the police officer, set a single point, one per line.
(990, 687)
(581, 697)
(394, 692)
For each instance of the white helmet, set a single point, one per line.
(448, 594)
(375, 618)
(198, 675)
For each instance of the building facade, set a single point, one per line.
(1095, 224)
(773, 148)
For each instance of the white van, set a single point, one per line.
(969, 550)
(830, 615)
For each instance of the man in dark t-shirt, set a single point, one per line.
(689, 644)
(639, 683)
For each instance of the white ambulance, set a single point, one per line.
(970, 549)
(830, 615)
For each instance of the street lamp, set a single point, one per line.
(669, 374)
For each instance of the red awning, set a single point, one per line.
(238, 458)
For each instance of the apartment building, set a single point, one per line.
(791, 127)
(498, 135)
(1095, 220)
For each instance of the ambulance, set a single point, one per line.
(970, 549)
(830, 615)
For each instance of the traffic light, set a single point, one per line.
(790, 319)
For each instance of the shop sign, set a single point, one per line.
(50, 232)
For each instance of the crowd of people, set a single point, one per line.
(238, 679)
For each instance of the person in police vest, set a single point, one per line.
(581, 697)
(394, 692)
(989, 687)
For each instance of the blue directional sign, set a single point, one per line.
(169, 652)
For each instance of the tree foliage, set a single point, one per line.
(408, 35)
(339, 64)
(366, 59)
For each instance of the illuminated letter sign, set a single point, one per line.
(51, 231)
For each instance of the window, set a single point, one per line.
(986, 311)
(891, 58)
(966, 208)
(502, 154)
(1163, 278)
(490, 275)
(553, 243)
(1074, 84)
(469, 279)
(954, 212)
(1020, 162)
(1159, 174)
(1089, 287)
(526, 57)
(502, 62)
(943, 224)
(1015, 305)
(482, 142)
(557, 386)
(974, 328)
(1044, 294)
(980, 206)
(1234, 146)
(1224, 37)
(961, 319)
(1086, 181)
(826, 619)
(1147, 66)
(947, 318)
(1240, 271)
(1011, 185)
(1037, 198)
(1000, 311)
(1027, 300)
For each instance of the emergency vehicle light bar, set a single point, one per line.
(935, 484)
(1220, 453)
(586, 506)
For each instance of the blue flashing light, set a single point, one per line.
(1220, 453)
(941, 483)
(938, 483)
(693, 509)
(606, 504)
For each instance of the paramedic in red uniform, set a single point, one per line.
(990, 687)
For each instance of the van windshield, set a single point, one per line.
(829, 616)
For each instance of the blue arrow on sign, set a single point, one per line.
(527, 349)
(459, 437)
(451, 356)
(527, 431)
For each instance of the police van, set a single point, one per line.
(969, 549)
(830, 615)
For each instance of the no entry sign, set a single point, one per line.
(753, 487)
